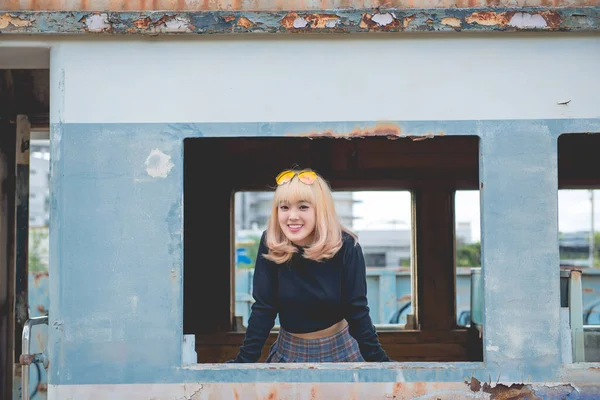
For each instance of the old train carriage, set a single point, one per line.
(158, 112)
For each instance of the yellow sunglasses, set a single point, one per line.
(305, 176)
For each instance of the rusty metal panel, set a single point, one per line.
(273, 5)
(325, 21)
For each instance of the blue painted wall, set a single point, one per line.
(116, 255)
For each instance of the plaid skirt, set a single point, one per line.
(340, 347)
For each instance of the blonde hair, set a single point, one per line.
(328, 228)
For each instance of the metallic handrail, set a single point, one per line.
(26, 358)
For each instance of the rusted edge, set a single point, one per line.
(333, 21)
(384, 129)
(500, 391)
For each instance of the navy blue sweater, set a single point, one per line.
(310, 296)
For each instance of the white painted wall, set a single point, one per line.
(326, 78)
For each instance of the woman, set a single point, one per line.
(310, 270)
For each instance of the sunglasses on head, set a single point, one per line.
(305, 176)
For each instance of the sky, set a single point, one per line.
(376, 210)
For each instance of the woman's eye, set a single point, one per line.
(304, 207)
(283, 208)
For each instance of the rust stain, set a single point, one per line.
(313, 393)
(245, 23)
(474, 384)
(552, 19)
(389, 130)
(229, 18)
(404, 298)
(37, 276)
(288, 20)
(7, 19)
(40, 341)
(272, 395)
(419, 389)
(408, 20)
(294, 20)
(41, 308)
(451, 21)
(488, 18)
(398, 389)
(517, 391)
(588, 290)
(236, 394)
(142, 23)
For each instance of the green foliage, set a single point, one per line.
(468, 255)
(37, 250)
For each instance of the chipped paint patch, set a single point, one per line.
(528, 21)
(321, 21)
(7, 20)
(158, 164)
(97, 22)
(171, 24)
(451, 21)
(293, 21)
(487, 18)
(244, 22)
(383, 19)
(300, 23)
(379, 21)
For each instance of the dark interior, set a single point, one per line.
(431, 169)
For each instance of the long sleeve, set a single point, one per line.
(264, 310)
(357, 310)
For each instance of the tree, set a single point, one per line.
(468, 255)
(38, 238)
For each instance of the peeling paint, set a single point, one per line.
(378, 21)
(389, 130)
(171, 24)
(300, 22)
(321, 21)
(158, 164)
(312, 21)
(331, 20)
(487, 18)
(7, 20)
(245, 23)
(451, 21)
(407, 21)
(383, 19)
(524, 20)
(97, 22)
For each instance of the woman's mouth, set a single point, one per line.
(295, 228)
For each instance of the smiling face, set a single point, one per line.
(297, 221)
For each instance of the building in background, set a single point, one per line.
(252, 209)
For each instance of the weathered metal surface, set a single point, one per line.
(298, 21)
(272, 5)
(470, 388)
